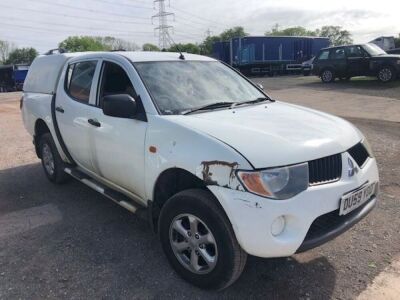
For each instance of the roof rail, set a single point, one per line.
(59, 50)
(116, 50)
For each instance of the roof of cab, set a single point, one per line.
(141, 56)
(45, 70)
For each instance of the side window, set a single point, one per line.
(114, 81)
(324, 55)
(79, 80)
(355, 51)
(338, 53)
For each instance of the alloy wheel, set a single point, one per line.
(48, 159)
(385, 74)
(327, 76)
(193, 244)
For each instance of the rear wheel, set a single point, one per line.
(52, 163)
(386, 74)
(199, 241)
(327, 76)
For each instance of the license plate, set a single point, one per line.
(354, 199)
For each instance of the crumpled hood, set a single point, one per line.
(276, 134)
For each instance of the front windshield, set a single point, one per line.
(373, 49)
(179, 86)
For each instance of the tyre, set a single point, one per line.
(199, 241)
(327, 76)
(52, 163)
(386, 74)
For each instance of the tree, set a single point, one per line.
(206, 45)
(5, 49)
(113, 43)
(96, 43)
(189, 48)
(233, 32)
(336, 34)
(22, 56)
(290, 31)
(83, 43)
(150, 47)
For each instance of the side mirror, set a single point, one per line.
(260, 86)
(119, 106)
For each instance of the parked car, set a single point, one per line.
(344, 62)
(222, 170)
(307, 66)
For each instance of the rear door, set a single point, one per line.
(118, 143)
(74, 92)
(357, 61)
(338, 61)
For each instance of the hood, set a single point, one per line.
(275, 134)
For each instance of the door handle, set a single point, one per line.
(94, 122)
(60, 109)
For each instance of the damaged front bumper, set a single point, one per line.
(254, 218)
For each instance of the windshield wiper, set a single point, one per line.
(209, 106)
(260, 99)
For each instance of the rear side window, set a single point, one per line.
(324, 55)
(79, 80)
(338, 53)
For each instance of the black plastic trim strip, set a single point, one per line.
(347, 224)
(58, 133)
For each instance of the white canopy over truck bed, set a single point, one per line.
(46, 67)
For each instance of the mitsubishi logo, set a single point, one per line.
(352, 168)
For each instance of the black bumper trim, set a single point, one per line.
(357, 216)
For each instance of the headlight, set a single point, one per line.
(277, 183)
(367, 146)
(398, 62)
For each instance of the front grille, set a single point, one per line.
(359, 154)
(324, 170)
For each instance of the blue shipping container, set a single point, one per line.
(267, 51)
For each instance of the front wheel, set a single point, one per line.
(327, 76)
(386, 74)
(199, 241)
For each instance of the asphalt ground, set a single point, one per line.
(69, 242)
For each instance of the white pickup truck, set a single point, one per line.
(222, 169)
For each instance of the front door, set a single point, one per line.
(118, 143)
(72, 101)
(357, 61)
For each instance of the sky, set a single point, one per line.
(42, 24)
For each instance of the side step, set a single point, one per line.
(115, 196)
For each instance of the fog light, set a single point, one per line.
(278, 225)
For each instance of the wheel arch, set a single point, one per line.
(170, 182)
(40, 129)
